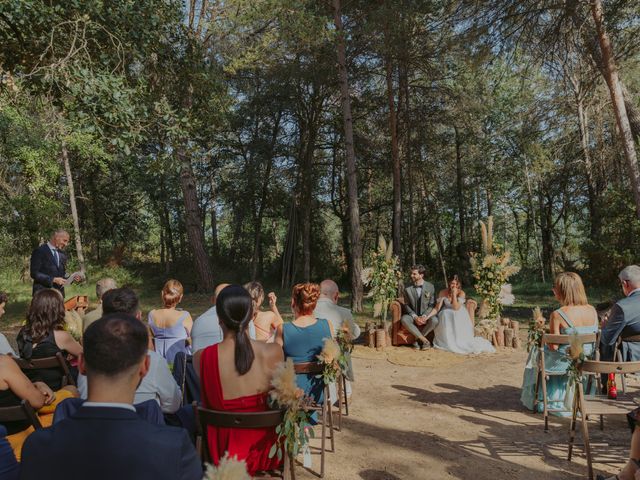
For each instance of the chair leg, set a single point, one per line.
(324, 434)
(346, 399)
(544, 402)
(587, 446)
(331, 428)
(602, 422)
(340, 392)
(572, 428)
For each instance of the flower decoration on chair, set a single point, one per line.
(295, 429)
(536, 329)
(491, 269)
(333, 361)
(230, 468)
(576, 357)
(382, 277)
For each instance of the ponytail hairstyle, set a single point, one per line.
(172, 293)
(234, 307)
(305, 297)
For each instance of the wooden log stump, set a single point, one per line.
(500, 335)
(371, 335)
(508, 337)
(517, 343)
(381, 339)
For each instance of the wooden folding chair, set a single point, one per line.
(325, 409)
(24, 411)
(58, 361)
(215, 418)
(343, 400)
(544, 374)
(599, 404)
(618, 355)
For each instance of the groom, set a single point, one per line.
(419, 300)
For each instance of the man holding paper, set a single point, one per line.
(48, 263)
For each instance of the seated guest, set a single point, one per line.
(624, 319)
(328, 308)
(575, 316)
(303, 338)
(171, 327)
(158, 384)
(102, 286)
(265, 323)
(235, 376)
(206, 328)
(9, 466)
(5, 348)
(44, 336)
(15, 387)
(105, 439)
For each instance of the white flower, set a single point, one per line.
(366, 275)
(505, 297)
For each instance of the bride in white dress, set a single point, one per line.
(454, 331)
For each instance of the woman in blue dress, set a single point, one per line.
(575, 316)
(303, 338)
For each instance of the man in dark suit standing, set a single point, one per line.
(624, 319)
(48, 263)
(419, 301)
(105, 439)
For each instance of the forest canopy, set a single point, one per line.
(278, 139)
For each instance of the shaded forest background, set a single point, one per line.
(277, 139)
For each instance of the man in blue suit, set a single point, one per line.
(48, 263)
(624, 319)
(105, 439)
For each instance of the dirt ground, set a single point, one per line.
(456, 417)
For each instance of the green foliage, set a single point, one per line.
(382, 277)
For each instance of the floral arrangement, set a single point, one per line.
(382, 277)
(576, 357)
(230, 468)
(333, 360)
(536, 329)
(345, 339)
(294, 431)
(491, 270)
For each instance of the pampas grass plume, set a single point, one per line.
(230, 468)
(330, 351)
(285, 389)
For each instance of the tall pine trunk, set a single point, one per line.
(193, 223)
(617, 97)
(74, 208)
(352, 178)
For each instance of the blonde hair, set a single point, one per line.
(172, 293)
(569, 289)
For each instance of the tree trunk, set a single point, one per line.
(193, 223)
(395, 152)
(459, 185)
(263, 200)
(352, 174)
(74, 208)
(617, 97)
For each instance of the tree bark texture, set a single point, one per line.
(193, 223)
(352, 178)
(617, 97)
(74, 208)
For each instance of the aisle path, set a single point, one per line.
(457, 421)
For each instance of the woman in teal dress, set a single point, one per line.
(575, 316)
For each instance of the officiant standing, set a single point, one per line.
(48, 263)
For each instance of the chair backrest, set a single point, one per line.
(567, 339)
(24, 411)
(632, 339)
(311, 368)
(222, 419)
(58, 361)
(593, 366)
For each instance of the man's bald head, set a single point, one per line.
(217, 291)
(329, 289)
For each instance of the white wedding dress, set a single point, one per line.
(454, 331)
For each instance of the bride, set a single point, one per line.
(454, 331)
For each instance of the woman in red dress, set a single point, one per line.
(235, 376)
